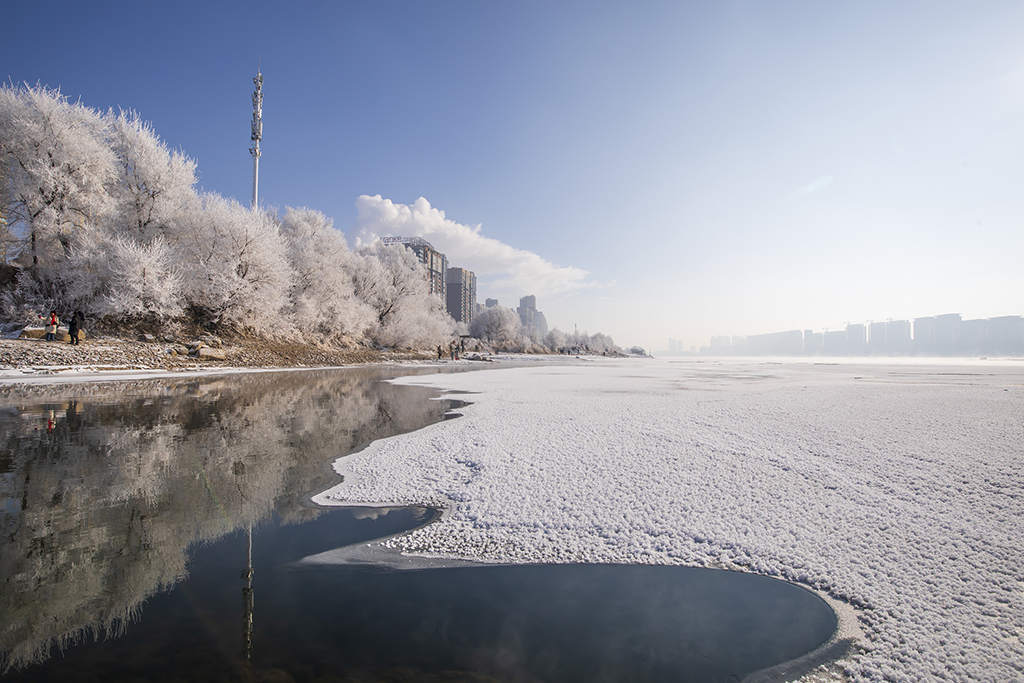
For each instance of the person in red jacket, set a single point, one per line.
(51, 326)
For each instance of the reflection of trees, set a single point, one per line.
(98, 512)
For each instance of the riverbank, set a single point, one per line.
(26, 357)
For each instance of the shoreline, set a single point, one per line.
(111, 358)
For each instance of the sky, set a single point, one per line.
(647, 170)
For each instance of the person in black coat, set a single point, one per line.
(74, 326)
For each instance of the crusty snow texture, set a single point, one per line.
(897, 488)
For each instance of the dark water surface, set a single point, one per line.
(148, 529)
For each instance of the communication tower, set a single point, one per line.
(257, 132)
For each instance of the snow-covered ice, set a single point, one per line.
(894, 487)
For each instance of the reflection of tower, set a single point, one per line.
(257, 132)
(247, 599)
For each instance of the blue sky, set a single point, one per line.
(646, 169)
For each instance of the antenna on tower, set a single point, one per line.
(257, 131)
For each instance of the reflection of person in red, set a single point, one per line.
(49, 424)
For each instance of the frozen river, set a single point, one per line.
(893, 487)
(161, 529)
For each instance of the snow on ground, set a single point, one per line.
(894, 487)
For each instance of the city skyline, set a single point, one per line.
(948, 334)
(671, 170)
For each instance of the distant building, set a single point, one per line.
(814, 343)
(924, 334)
(721, 345)
(834, 343)
(1002, 336)
(973, 336)
(677, 348)
(526, 316)
(940, 335)
(856, 339)
(947, 333)
(461, 295)
(897, 337)
(937, 335)
(876, 338)
(491, 303)
(542, 324)
(531, 318)
(1005, 335)
(789, 343)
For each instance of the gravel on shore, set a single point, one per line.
(113, 353)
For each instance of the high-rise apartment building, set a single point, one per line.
(937, 335)
(814, 342)
(530, 317)
(897, 336)
(876, 338)
(461, 296)
(856, 339)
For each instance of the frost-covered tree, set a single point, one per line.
(144, 282)
(154, 186)
(392, 281)
(421, 322)
(554, 340)
(385, 276)
(56, 168)
(597, 343)
(498, 326)
(322, 297)
(234, 267)
(124, 268)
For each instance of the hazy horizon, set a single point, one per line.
(653, 171)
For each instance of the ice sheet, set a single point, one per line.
(894, 487)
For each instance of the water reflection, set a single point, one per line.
(106, 487)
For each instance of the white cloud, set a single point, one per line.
(819, 184)
(503, 267)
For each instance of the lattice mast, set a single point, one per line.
(257, 132)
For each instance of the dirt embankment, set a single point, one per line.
(116, 353)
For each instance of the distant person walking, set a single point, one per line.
(440, 353)
(75, 327)
(51, 326)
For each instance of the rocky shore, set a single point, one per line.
(112, 353)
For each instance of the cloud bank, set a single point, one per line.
(502, 266)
